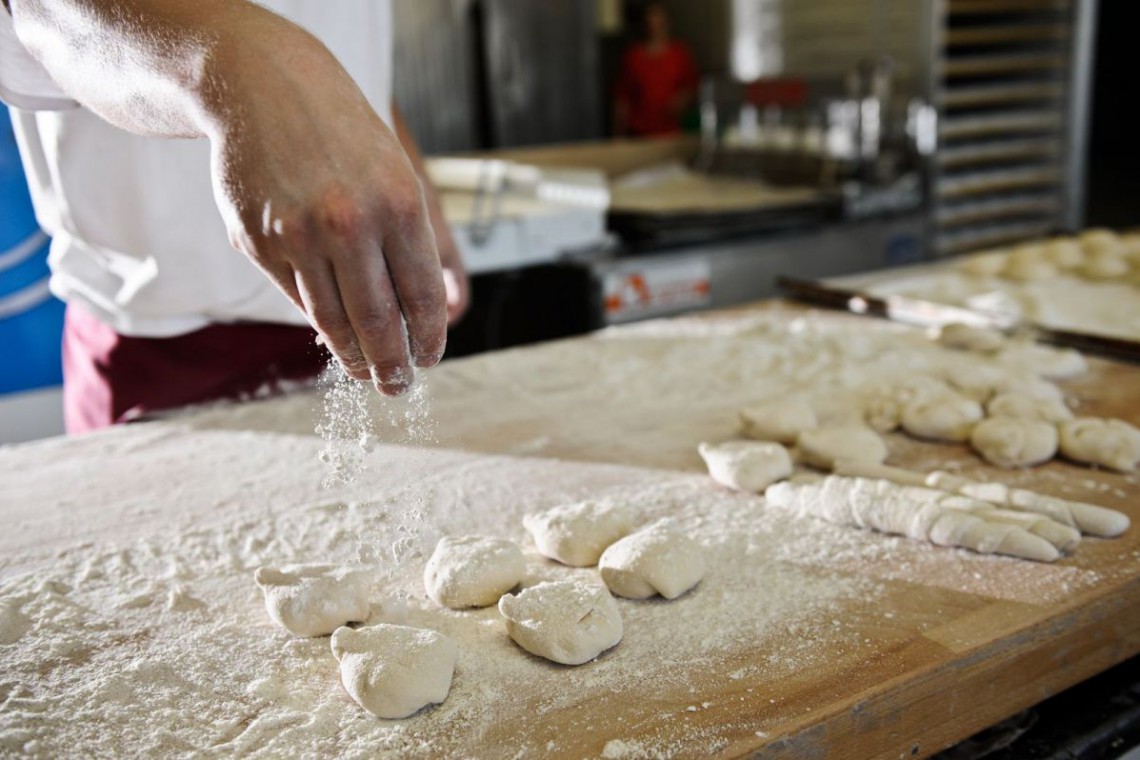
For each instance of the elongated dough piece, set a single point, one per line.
(1061, 534)
(1090, 519)
(924, 514)
(1107, 442)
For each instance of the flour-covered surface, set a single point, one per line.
(130, 624)
(1104, 307)
(146, 634)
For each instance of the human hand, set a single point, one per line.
(317, 191)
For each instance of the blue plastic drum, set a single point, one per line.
(31, 319)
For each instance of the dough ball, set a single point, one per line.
(1044, 361)
(1105, 266)
(976, 380)
(1111, 443)
(882, 408)
(314, 600)
(984, 264)
(1098, 237)
(1065, 253)
(882, 412)
(1028, 408)
(1029, 262)
(1014, 441)
(780, 420)
(568, 622)
(969, 338)
(577, 534)
(657, 560)
(1130, 245)
(824, 446)
(1025, 383)
(472, 571)
(942, 418)
(393, 671)
(749, 466)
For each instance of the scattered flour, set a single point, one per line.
(171, 621)
(133, 626)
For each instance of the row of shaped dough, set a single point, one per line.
(1097, 254)
(393, 671)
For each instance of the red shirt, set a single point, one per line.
(649, 84)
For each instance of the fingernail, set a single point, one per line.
(428, 360)
(393, 382)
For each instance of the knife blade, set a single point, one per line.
(920, 313)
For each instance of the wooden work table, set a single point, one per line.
(959, 651)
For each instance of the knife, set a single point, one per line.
(914, 311)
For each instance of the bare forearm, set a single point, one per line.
(154, 67)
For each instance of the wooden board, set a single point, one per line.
(948, 649)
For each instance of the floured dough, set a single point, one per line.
(1014, 441)
(1065, 253)
(472, 571)
(882, 412)
(882, 408)
(824, 446)
(918, 386)
(780, 420)
(749, 466)
(985, 264)
(969, 338)
(1098, 237)
(1028, 407)
(657, 560)
(976, 380)
(1110, 443)
(1105, 265)
(1078, 516)
(568, 622)
(1029, 262)
(393, 671)
(577, 534)
(948, 417)
(921, 513)
(315, 600)
(1025, 383)
(1045, 361)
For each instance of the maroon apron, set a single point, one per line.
(110, 378)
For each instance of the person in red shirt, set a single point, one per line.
(658, 81)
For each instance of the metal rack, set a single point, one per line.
(1010, 80)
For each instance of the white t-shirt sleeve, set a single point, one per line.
(24, 83)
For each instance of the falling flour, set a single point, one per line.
(355, 418)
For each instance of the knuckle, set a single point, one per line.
(290, 225)
(425, 301)
(406, 206)
(374, 322)
(339, 214)
(331, 322)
